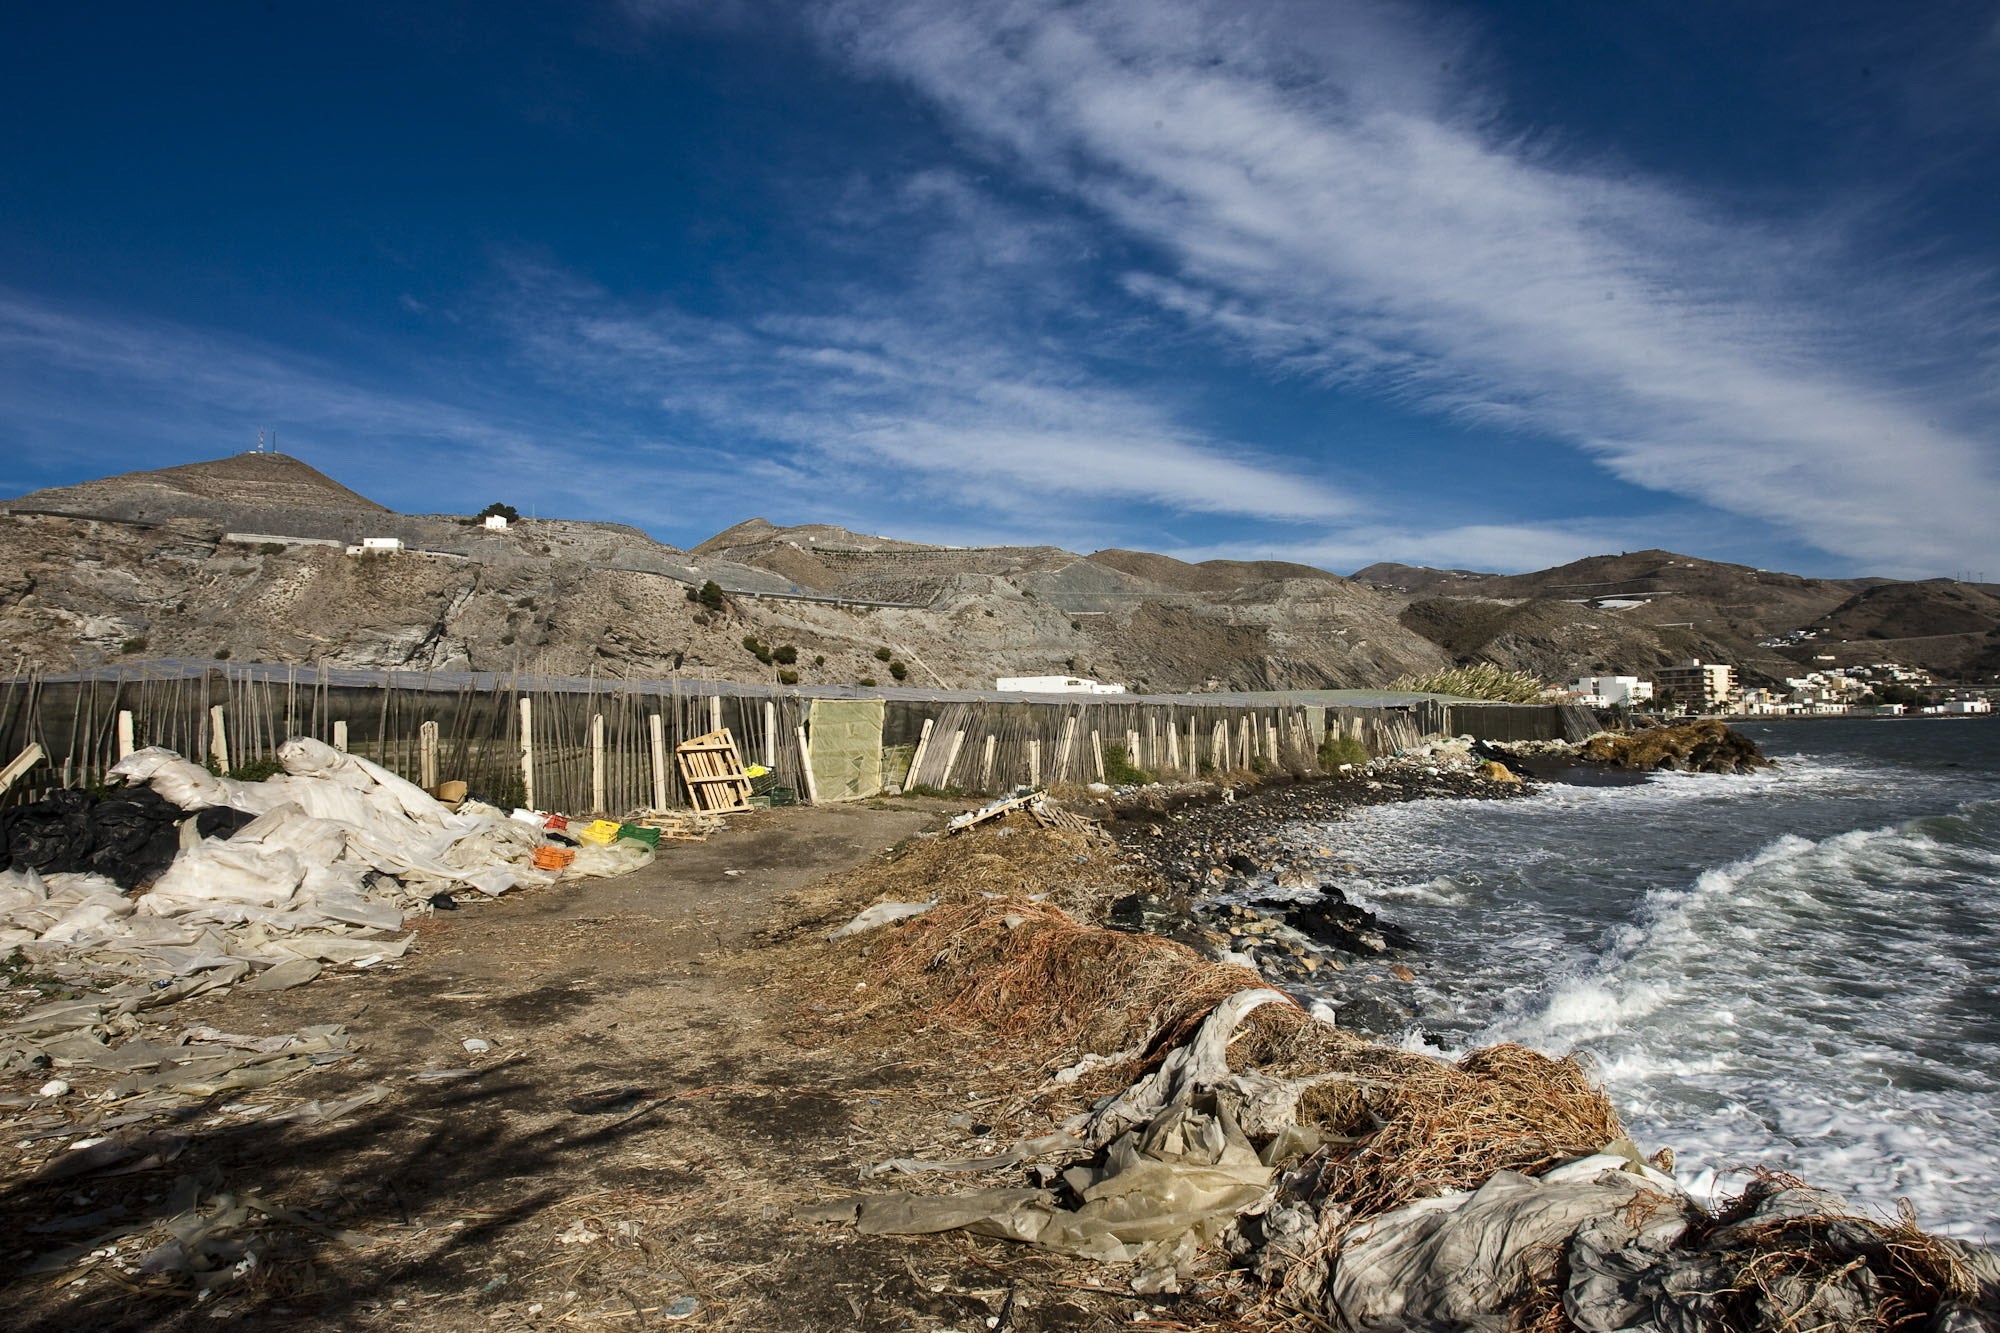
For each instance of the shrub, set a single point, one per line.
(135, 644)
(271, 548)
(1336, 750)
(256, 770)
(710, 595)
(898, 670)
(222, 654)
(784, 654)
(756, 649)
(1119, 770)
(867, 682)
(788, 677)
(508, 512)
(819, 660)
(883, 654)
(1481, 680)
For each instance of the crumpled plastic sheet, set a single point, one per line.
(128, 836)
(1463, 1260)
(1177, 1167)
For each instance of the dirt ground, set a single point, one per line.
(627, 1154)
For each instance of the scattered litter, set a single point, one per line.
(477, 1045)
(1036, 804)
(881, 914)
(55, 1087)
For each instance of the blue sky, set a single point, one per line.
(1494, 286)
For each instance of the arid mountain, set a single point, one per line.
(1628, 612)
(1947, 626)
(244, 558)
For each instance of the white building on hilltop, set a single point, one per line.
(1612, 691)
(1054, 685)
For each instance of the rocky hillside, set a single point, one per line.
(243, 559)
(1642, 609)
(229, 560)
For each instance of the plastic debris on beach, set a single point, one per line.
(185, 883)
(1259, 1150)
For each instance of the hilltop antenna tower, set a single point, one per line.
(267, 442)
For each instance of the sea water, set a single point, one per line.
(1798, 969)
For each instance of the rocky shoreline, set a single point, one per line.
(1247, 885)
(1254, 880)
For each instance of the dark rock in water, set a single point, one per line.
(1242, 864)
(1707, 746)
(1147, 913)
(1339, 924)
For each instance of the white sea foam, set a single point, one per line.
(1795, 969)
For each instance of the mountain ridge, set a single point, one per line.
(165, 578)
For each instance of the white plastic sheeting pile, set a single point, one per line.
(338, 850)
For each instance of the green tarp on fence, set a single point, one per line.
(846, 740)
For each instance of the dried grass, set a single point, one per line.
(1784, 1267)
(1009, 972)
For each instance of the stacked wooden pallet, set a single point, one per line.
(713, 772)
(680, 825)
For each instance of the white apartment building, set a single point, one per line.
(1612, 691)
(1697, 684)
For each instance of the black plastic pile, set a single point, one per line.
(130, 836)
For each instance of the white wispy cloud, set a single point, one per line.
(1497, 547)
(903, 394)
(1328, 201)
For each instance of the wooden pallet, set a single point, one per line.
(681, 825)
(713, 772)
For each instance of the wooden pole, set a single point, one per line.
(951, 757)
(770, 735)
(715, 712)
(125, 745)
(1173, 746)
(1063, 748)
(986, 765)
(20, 764)
(597, 763)
(917, 756)
(658, 736)
(527, 752)
(427, 757)
(340, 737)
(806, 768)
(1034, 761)
(218, 739)
(1097, 754)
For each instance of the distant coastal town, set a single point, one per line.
(1882, 689)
